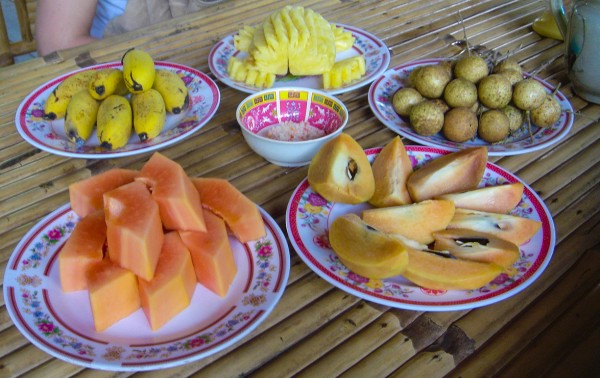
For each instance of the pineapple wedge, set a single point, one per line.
(315, 53)
(344, 72)
(344, 39)
(243, 39)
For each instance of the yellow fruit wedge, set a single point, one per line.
(433, 271)
(344, 72)
(365, 250)
(243, 39)
(344, 39)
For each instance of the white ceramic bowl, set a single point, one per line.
(303, 108)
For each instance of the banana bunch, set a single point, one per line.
(118, 102)
(292, 39)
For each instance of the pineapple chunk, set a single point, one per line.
(244, 70)
(344, 72)
(344, 39)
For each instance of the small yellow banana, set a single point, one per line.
(149, 114)
(138, 70)
(107, 81)
(80, 117)
(173, 90)
(114, 122)
(57, 102)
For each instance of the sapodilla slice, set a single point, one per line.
(494, 199)
(341, 172)
(455, 172)
(391, 169)
(513, 228)
(432, 271)
(416, 221)
(365, 250)
(476, 246)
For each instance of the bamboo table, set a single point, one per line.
(549, 329)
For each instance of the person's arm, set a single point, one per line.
(61, 24)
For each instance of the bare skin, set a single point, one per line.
(62, 24)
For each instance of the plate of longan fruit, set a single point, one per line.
(468, 101)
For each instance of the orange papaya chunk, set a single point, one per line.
(113, 293)
(178, 201)
(86, 195)
(239, 212)
(83, 249)
(134, 231)
(172, 288)
(211, 254)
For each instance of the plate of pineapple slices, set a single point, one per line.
(360, 58)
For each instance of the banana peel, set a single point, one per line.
(546, 26)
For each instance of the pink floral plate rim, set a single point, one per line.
(382, 91)
(375, 51)
(61, 323)
(308, 217)
(49, 136)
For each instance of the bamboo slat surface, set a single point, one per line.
(316, 330)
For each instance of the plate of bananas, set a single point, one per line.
(331, 57)
(110, 110)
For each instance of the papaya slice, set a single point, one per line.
(170, 290)
(178, 201)
(211, 254)
(113, 293)
(86, 195)
(238, 211)
(134, 231)
(83, 249)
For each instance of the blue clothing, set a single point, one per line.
(106, 10)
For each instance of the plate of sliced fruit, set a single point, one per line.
(419, 280)
(47, 131)
(358, 65)
(110, 318)
(519, 138)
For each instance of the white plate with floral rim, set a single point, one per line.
(309, 215)
(374, 50)
(61, 323)
(49, 136)
(382, 92)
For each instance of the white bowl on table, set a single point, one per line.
(291, 114)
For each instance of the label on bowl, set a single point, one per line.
(274, 107)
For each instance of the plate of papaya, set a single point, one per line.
(518, 138)
(310, 217)
(46, 130)
(371, 51)
(51, 309)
